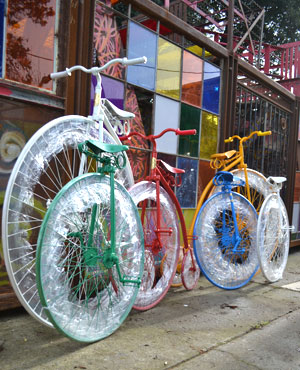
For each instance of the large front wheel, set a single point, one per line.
(162, 242)
(49, 160)
(86, 290)
(225, 243)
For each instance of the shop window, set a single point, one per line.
(110, 33)
(189, 119)
(191, 79)
(141, 43)
(168, 69)
(209, 135)
(211, 88)
(30, 31)
(166, 116)
(187, 192)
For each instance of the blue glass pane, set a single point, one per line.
(187, 192)
(211, 88)
(112, 90)
(142, 43)
(2, 9)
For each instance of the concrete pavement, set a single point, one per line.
(255, 327)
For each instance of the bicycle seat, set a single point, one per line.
(171, 169)
(227, 178)
(225, 155)
(116, 112)
(276, 180)
(97, 147)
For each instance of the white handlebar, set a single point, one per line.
(96, 70)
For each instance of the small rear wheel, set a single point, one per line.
(190, 271)
(273, 238)
(167, 250)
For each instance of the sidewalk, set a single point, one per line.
(256, 327)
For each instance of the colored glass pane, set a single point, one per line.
(205, 174)
(109, 39)
(30, 33)
(112, 90)
(191, 79)
(189, 119)
(187, 192)
(168, 69)
(211, 88)
(142, 42)
(166, 116)
(209, 135)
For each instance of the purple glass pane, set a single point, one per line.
(187, 192)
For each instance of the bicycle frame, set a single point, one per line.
(157, 177)
(227, 161)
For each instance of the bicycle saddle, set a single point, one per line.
(276, 180)
(171, 169)
(225, 155)
(227, 178)
(97, 147)
(116, 112)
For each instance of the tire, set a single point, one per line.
(48, 161)
(142, 193)
(190, 271)
(273, 238)
(83, 295)
(259, 188)
(214, 245)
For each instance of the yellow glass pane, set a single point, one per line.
(168, 69)
(209, 135)
(199, 51)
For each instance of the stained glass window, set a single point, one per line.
(30, 33)
(211, 88)
(168, 69)
(191, 79)
(166, 116)
(141, 43)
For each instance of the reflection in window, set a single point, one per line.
(109, 39)
(141, 43)
(139, 102)
(166, 116)
(209, 133)
(211, 88)
(186, 193)
(191, 79)
(168, 69)
(189, 119)
(30, 42)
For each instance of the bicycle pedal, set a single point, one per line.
(130, 281)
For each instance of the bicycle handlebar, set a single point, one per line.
(258, 133)
(96, 70)
(153, 137)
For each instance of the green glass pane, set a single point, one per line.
(209, 135)
(189, 119)
(168, 69)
